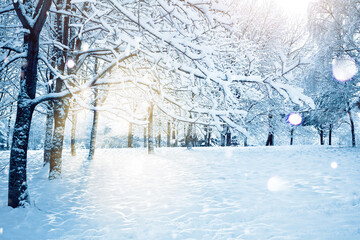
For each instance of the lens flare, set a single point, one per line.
(294, 119)
(344, 69)
(70, 64)
(334, 165)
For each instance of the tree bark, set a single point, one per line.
(270, 139)
(61, 109)
(130, 135)
(48, 134)
(292, 136)
(228, 137)
(145, 138)
(159, 136)
(246, 142)
(174, 144)
(94, 127)
(73, 132)
(330, 133)
(223, 137)
(168, 143)
(208, 136)
(322, 137)
(189, 136)
(9, 128)
(18, 192)
(150, 129)
(352, 127)
(61, 106)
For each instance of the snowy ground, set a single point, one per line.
(208, 193)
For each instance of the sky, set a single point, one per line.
(298, 7)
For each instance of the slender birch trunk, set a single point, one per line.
(150, 130)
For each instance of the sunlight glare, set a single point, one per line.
(1, 231)
(276, 184)
(298, 7)
(136, 168)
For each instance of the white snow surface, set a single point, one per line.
(204, 193)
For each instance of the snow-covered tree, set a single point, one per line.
(334, 26)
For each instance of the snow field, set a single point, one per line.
(205, 193)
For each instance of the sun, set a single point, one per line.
(291, 7)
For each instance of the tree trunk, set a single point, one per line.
(9, 128)
(61, 106)
(223, 137)
(61, 109)
(322, 137)
(48, 134)
(168, 144)
(246, 142)
(352, 126)
(94, 126)
(189, 137)
(174, 140)
(145, 138)
(292, 136)
(93, 135)
(270, 139)
(330, 133)
(206, 130)
(159, 136)
(228, 137)
(150, 130)
(208, 136)
(18, 193)
(130, 135)
(73, 132)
